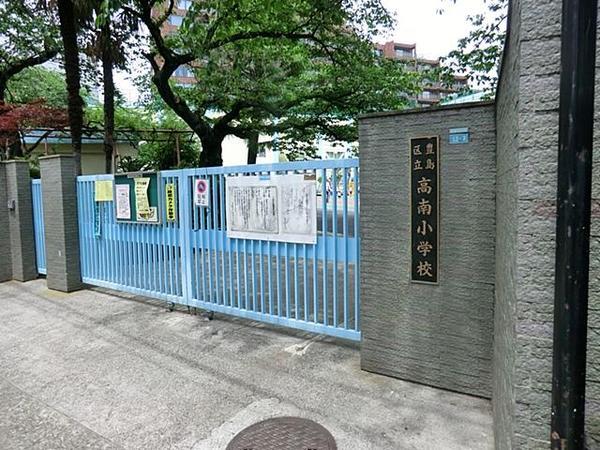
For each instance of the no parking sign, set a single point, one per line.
(201, 193)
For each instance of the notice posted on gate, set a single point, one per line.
(273, 208)
(138, 197)
(424, 209)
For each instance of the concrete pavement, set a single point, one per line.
(95, 370)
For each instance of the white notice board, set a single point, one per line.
(274, 208)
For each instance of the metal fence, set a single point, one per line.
(38, 226)
(193, 262)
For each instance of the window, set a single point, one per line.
(184, 4)
(403, 53)
(183, 71)
(175, 20)
(460, 84)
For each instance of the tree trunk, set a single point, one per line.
(212, 150)
(3, 86)
(14, 148)
(211, 154)
(109, 97)
(252, 148)
(68, 32)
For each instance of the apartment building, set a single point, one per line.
(433, 92)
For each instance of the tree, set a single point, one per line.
(29, 37)
(71, 14)
(108, 58)
(156, 136)
(112, 39)
(302, 68)
(36, 83)
(17, 119)
(479, 53)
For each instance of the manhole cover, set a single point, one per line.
(284, 433)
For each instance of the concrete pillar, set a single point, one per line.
(59, 192)
(5, 251)
(20, 220)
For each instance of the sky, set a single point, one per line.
(417, 21)
(435, 34)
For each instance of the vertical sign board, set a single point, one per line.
(97, 220)
(171, 202)
(122, 203)
(137, 197)
(424, 209)
(201, 193)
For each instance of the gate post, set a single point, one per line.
(19, 222)
(426, 318)
(185, 228)
(59, 197)
(5, 253)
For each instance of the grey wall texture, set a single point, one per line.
(5, 252)
(527, 123)
(59, 192)
(438, 335)
(20, 220)
(503, 398)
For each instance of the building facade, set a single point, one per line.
(433, 91)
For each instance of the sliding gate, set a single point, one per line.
(193, 262)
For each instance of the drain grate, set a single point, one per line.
(284, 433)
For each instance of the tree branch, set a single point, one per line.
(36, 143)
(17, 66)
(246, 35)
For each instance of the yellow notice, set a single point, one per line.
(171, 205)
(141, 195)
(103, 191)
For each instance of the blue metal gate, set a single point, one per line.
(193, 262)
(38, 226)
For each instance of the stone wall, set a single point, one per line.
(5, 251)
(503, 398)
(20, 220)
(438, 335)
(59, 194)
(527, 123)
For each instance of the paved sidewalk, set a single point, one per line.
(94, 370)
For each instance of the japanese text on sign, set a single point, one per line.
(171, 205)
(201, 192)
(273, 208)
(142, 205)
(123, 204)
(424, 186)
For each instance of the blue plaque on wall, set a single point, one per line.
(459, 136)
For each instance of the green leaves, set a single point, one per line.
(36, 83)
(479, 53)
(301, 68)
(26, 31)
